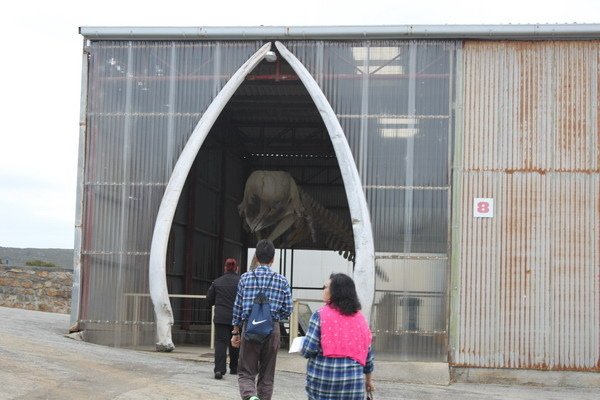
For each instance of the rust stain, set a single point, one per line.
(598, 112)
(545, 118)
(528, 107)
(572, 75)
(535, 366)
(540, 171)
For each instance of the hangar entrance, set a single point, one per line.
(400, 124)
(270, 124)
(156, 107)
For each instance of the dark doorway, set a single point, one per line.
(270, 124)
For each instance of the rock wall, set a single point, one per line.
(36, 288)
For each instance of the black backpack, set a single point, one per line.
(260, 322)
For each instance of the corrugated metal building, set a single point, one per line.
(475, 148)
(528, 280)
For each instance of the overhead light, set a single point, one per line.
(270, 56)
(395, 127)
(393, 133)
(396, 121)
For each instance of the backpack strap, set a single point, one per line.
(258, 284)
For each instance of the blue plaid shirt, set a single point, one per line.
(278, 293)
(329, 378)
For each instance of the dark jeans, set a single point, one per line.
(222, 342)
(258, 359)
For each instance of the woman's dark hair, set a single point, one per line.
(343, 294)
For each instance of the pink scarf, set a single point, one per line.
(344, 335)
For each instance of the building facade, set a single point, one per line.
(476, 151)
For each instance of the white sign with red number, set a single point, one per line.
(483, 208)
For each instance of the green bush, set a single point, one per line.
(40, 263)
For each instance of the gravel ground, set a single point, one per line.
(37, 361)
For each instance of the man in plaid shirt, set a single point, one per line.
(259, 358)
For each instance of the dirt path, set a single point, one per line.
(37, 361)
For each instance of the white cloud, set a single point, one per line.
(40, 77)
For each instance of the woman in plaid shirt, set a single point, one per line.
(338, 345)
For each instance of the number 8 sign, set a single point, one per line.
(483, 208)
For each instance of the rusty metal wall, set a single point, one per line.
(526, 282)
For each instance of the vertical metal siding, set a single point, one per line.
(393, 99)
(529, 278)
(144, 99)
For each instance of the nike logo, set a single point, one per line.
(255, 322)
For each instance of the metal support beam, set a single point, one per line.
(490, 32)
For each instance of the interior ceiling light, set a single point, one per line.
(394, 127)
(396, 121)
(394, 133)
(271, 56)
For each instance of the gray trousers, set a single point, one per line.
(258, 359)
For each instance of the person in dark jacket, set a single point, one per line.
(221, 294)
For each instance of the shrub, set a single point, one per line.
(39, 263)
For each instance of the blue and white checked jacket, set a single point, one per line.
(278, 293)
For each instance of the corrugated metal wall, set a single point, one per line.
(144, 99)
(526, 282)
(394, 100)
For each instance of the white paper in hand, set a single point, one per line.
(297, 344)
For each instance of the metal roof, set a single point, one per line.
(491, 32)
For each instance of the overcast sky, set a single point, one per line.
(40, 72)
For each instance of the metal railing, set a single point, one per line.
(298, 318)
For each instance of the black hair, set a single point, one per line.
(343, 294)
(265, 251)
